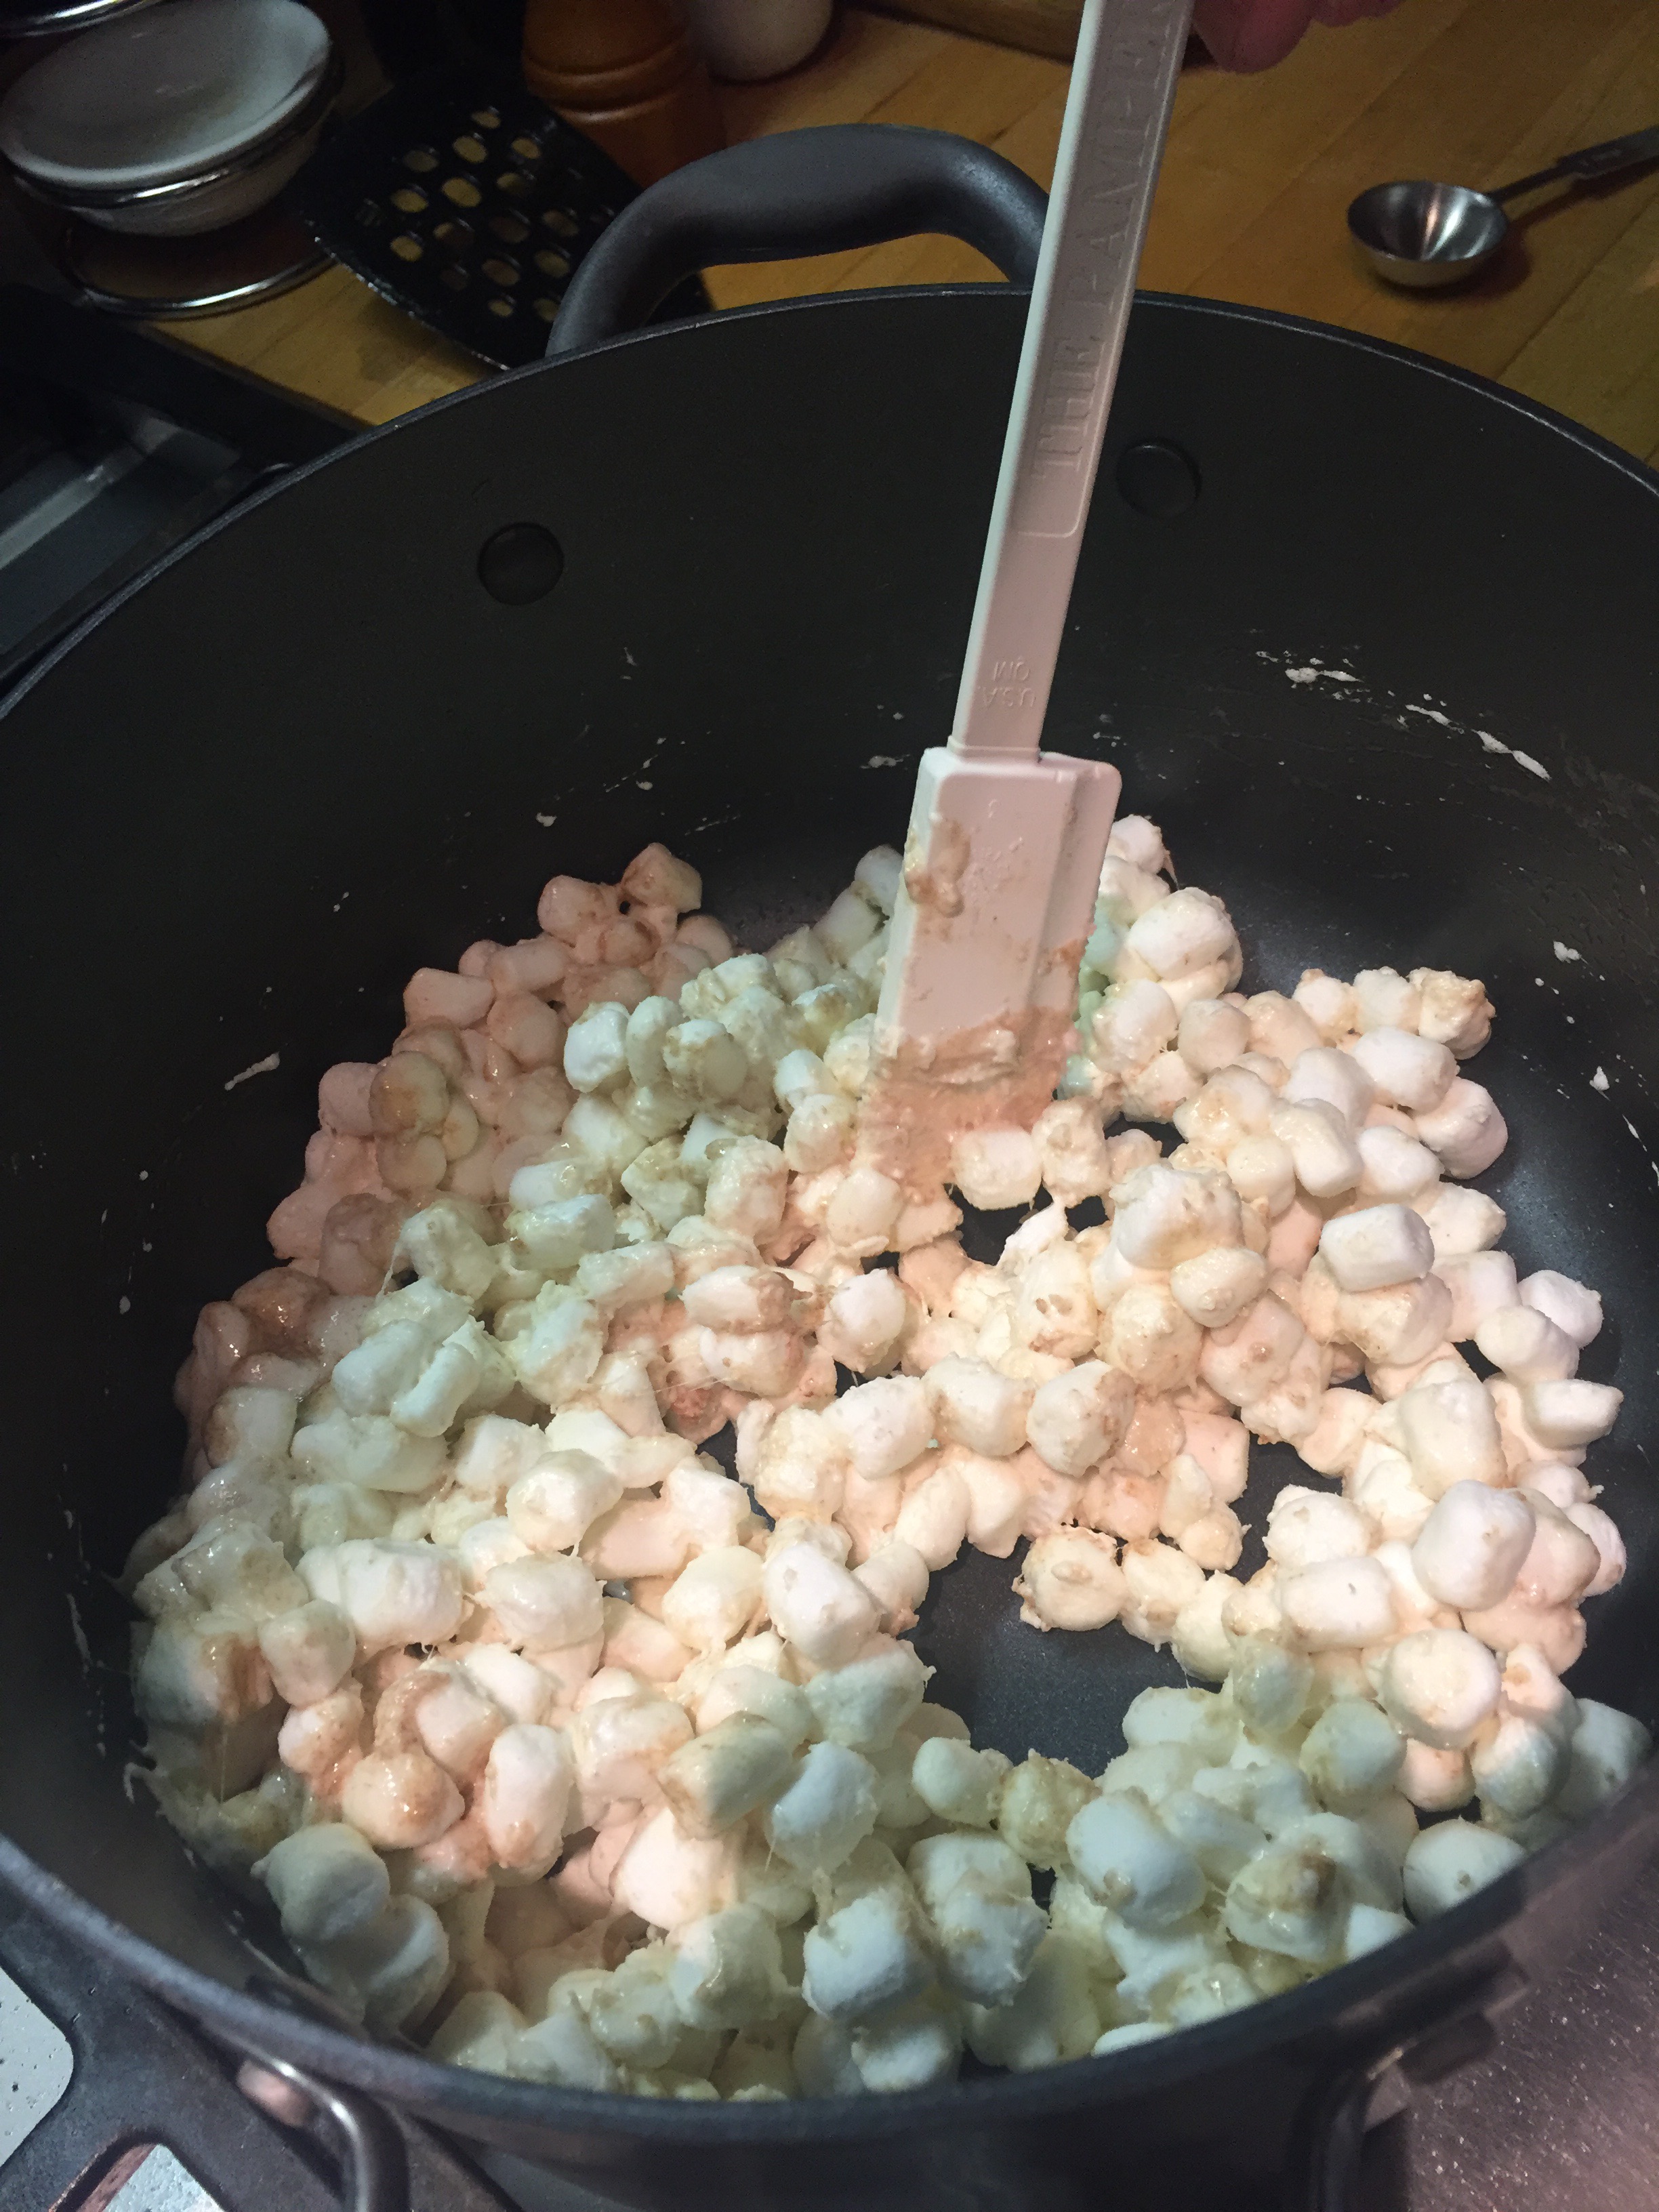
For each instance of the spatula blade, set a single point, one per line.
(1001, 868)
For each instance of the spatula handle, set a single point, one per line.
(1123, 81)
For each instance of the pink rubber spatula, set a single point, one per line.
(1003, 857)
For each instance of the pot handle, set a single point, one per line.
(800, 192)
(1322, 2170)
(374, 2164)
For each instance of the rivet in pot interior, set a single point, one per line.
(520, 563)
(1157, 479)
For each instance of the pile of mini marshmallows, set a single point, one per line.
(561, 1750)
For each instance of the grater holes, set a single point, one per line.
(410, 199)
(511, 229)
(454, 235)
(470, 149)
(551, 263)
(500, 269)
(560, 221)
(545, 308)
(407, 247)
(516, 186)
(461, 192)
(499, 305)
(454, 276)
(486, 118)
(525, 147)
(421, 159)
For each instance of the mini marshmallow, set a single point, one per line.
(1607, 1747)
(1517, 1765)
(720, 1776)
(1465, 1129)
(1439, 1685)
(958, 1783)
(1055, 1308)
(326, 1883)
(1575, 1310)
(1243, 1360)
(1395, 1165)
(1339, 1605)
(1435, 1781)
(713, 1597)
(1328, 1003)
(1561, 1562)
(1452, 1009)
(1483, 1289)
(1472, 1545)
(1568, 1413)
(1071, 1579)
(1305, 1527)
(816, 1605)
(1378, 1247)
(977, 1894)
(1462, 1221)
(669, 1878)
(864, 1957)
(401, 1800)
(391, 1593)
(865, 1703)
(1291, 1898)
(551, 1508)
(933, 1518)
(1217, 1287)
(544, 1604)
(726, 1969)
(1182, 934)
(1407, 1070)
(1449, 1863)
(1211, 1034)
(1326, 1158)
(1352, 1755)
(866, 1317)
(1078, 1417)
(995, 1169)
(1131, 1025)
(882, 1425)
(1040, 1798)
(826, 1810)
(1450, 1433)
(525, 1793)
(1526, 1344)
(1383, 999)
(308, 1649)
(1165, 1215)
(1340, 1079)
(972, 1403)
(1268, 1685)
(1603, 1533)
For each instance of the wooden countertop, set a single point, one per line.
(1250, 206)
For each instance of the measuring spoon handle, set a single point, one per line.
(1603, 160)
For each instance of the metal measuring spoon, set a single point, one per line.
(1425, 235)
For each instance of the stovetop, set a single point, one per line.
(111, 2103)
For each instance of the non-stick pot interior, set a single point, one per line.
(316, 753)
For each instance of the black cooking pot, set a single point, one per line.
(359, 725)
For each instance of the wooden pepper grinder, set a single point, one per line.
(625, 72)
